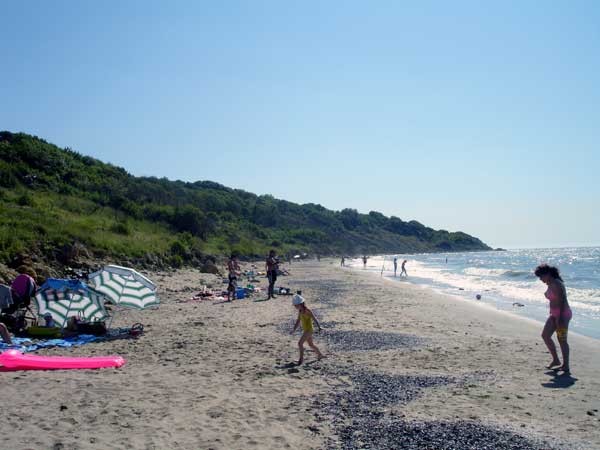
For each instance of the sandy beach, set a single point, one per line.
(406, 368)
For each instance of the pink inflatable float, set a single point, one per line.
(15, 360)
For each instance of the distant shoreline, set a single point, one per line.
(505, 281)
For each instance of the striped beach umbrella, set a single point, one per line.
(125, 287)
(68, 298)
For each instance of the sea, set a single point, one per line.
(504, 279)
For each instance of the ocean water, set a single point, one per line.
(505, 279)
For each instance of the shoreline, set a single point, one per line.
(517, 346)
(489, 307)
(517, 293)
(405, 368)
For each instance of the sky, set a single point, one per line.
(465, 115)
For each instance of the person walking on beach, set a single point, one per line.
(560, 315)
(343, 262)
(395, 264)
(403, 271)
(365, 261)
(233, 268)
(272, 265)
(306, 319)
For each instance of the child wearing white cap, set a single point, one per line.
(306, 318)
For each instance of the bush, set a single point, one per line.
(179, 248)
(25, 200)
(191, 219)
(7, 177)
(176, 261)
(121, 228)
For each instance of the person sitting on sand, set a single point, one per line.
(560, 315)
(71, 327)
(234, 270)
(403, 271)
(305, 318)
(272, 266)
(5, 334)
(23, 288)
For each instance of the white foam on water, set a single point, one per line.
(501, 286)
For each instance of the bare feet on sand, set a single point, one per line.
(556, 362)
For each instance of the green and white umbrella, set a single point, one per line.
(125, 287)
(68, 298)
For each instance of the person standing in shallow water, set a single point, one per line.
(403, 271)
(272, 265)
(560, 315)
(364, 261)
(395, 264)
(343, 262)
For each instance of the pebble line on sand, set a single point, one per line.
(355, 340)
(345, 340)
(360, 421)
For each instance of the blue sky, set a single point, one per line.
(467, 115)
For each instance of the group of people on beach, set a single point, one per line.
(365, 259)
(234, 271)
(403, 271)
(306, 319)
(557, 322)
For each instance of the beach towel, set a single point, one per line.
(30, 345)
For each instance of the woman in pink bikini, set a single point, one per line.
(560, 315)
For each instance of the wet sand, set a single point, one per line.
(406, 368)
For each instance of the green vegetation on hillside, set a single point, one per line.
(51, 198)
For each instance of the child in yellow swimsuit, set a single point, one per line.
(306, 318)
